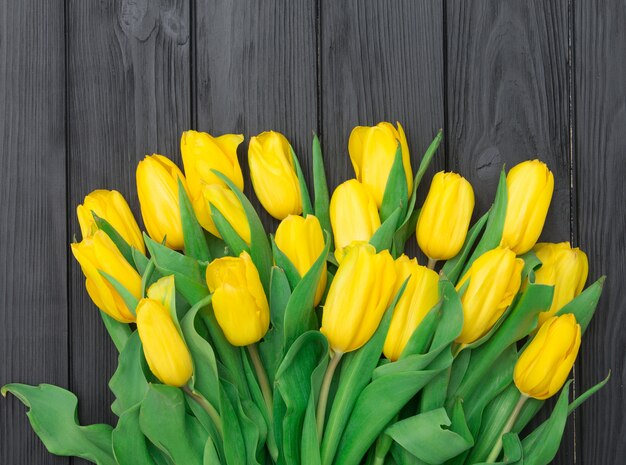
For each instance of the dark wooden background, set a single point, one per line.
(88, 87)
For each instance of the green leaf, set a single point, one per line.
(129, 443)
(129, 299)
(293, 384)
(421, 338)
(322, 197)
(195, 242)
(235, 243)
(403, 233)
(383, 237)
(396, 190)
(587, 394)
(119, 332)
(121, 244)
(235, 446)
(299, 314)
(432, 436)
(307, 208)
(52, 414)
(513, 451)
(164, 421)
(281, 260)
(211, 456)
(584, 305)
(128, 383)
(189, 277)
(260, 249)
(453, 267)
(140, 261)
(531, 263)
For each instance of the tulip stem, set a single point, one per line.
(431, 263)
(324, 390)
(507, 427)
(266, 390)
(207, 406)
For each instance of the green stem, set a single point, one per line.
(268, 397)
(207, 406)
(324, 390)
(507, 427)
(431, 263)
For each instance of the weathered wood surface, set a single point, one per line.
(88, 88)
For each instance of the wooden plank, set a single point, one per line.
(381, 61)
(33, 256)
(600, 156)
(508, 100)
(255, 70)
(129, 95)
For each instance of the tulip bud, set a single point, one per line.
(166, 353)
(111, 206)
(357, 298)
(353, 214)
(157, 186)
(372, 151)
(229, 206)
(542, 369)
(419, 297)
(273, 174)
(302, 241)
(239, 302)
(564, 268)
(98, 253)
(445, 216)
(494, 279)
(530, 185)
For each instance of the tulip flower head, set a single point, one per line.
(98, 253)
(445, 216)
(372, 151)
(239, 301)
(166, 352)
(530, 185)
(273, 174)
(203, 153)
(226, 201)
(563, 267)
(353, 214)
(302, 241)
(157, 186)
(494, 280)
(112, 207)
(358, 297)
(542, 369)
(419, 297)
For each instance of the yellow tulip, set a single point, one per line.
(373, 150)
(226, 201)
(530, 185)
(542, 369)
(157, 186)
(165, 350)
(111, 206)
(98, 253)
(302, 241)
(357, 298)
(239, 302)
(353, 214)
(273, 174)
(564, 268)
(445, 216)
(163, 291)
(494, 279)
(419, 297)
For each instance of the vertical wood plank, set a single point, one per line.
(600, 158)
(129, 95)
(255, 70)
(381, 61)
(508, 101)
(33, 256)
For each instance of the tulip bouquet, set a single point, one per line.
(323, 343)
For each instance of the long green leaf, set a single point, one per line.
(307, 208)
(121, 244)
(453, 267)
(322, 197)
(383, 237)
(129, 443)
(119, 332)
(128, 383)
(193, 235)
(396, 190)
(235, 243)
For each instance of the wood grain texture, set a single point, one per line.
(33, 256)
(381, 61)
(128, 96)
(508, 88)
(255, 70)
(600, 156)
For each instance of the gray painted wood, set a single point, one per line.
(600, 157)
(33, 255)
